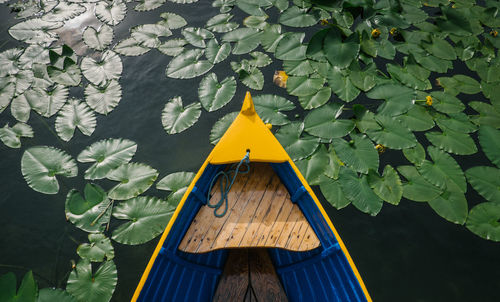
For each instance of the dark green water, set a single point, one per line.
(406, 253)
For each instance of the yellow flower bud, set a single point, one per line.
(428, 100)
(324, 22)
(376, 33)
(380, 148)
(280, 77)
(393, 31)
(494, 33)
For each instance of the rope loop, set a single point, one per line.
(227, 179)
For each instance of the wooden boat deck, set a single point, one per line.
(260, 214)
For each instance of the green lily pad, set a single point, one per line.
(134, 178)
(316, 100)
(257, 22)
(303, 86)
(407, 78)
(290, 47)
(196, 36)
(99, 248)
(47, 102)
(35, 31)
(459, 122)
(130, 47)
(324, 122)
(398, 99)
(103, 99)
(358, 191)
(172, 47)
(54, 294)
(216, 53)
(260, 59)
(72, 115)
(490, 144)
(177, 183)
(417, 188)
(270, 37)
(441, 49)
(176, 118)
(342, 85)
(245, 39)
(488, 115)
(340, 52)
(296, 17)
(451, 204)
(298, 146)
(392, 134)
(297, 67)
(11, 136)
(27, 291)
(446, 103)
(221, 23)
(416, 155)
(98, 39)
(313, 167)
(359, 154)
(460, 83)
(220, 127)
(269, 108)
(148, 35)
(111, 13)
(452, 141)
(417, 119)
(41, 164)
(188, 65)
(214, 95)
(9, 61)
(87, 286)
(443, 170)
(90, 214)
(148, 5)
(64, 11)
(388, 187)
(483, 220)
(334, 164)
(253, 7)
(486, 181)
(332, 191)
(69, 76)
(172, 21)
(147, 218)
(109, 67)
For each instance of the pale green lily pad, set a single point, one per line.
(176, 118)
(483, 220)
(11, 136)
(108, 68)
(298, 146)
(486, 181)
(148, 35)
(41, 164)
(90, 214)
(9, 61)
(296, 17)
(246, 39)
(103, 99)
(72, 115)
(221, 23)
(220, 127)
(290, 47)
(304, 86)
(443, 170)
(260, 59)
(64, 11)
(98, 39)
(177, 183)
(148, 5)
(253, 7)
(196, 36)
(130, 47)
(35, 31)
(489, 138)
(20, 108)
(324, 122)
(70, 75)
(98, 248)
(172, 47)
(417, 188)
(111, 13)
(216, 53)
(27, 291)
(188, 65)
(47, 102)
(214, 94)
(388, 187)
(22, 80)
(257, 22)
(172, 21)
(134, 178)
(106, 155)
(7, 91)
(147, 218)
(392, 134)
(269, 107)
(85, 285)
(451, 205)
(317, 99)
(359, 153)
(358, 191)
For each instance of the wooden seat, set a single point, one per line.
(260, 214)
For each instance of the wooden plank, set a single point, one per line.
(263, 277)
(310, 239)
(297, 234)
(234, 282)
(280, 225)
(287, 229)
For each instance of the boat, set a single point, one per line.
(250, 228)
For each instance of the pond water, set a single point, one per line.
(405, 253)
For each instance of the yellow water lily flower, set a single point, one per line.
(428, 100)
(494, 33)
(376, 33)
(393, 31)
(324, 22)
(380, 148)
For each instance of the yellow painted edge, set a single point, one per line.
(325, 216)
(167, 230)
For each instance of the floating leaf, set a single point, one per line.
(188, 65)
(246, 39)
(483, 220)
(260, 59)
(99, 248)
(490, 144)
(27, 291)
(103, 99)
(148, 35)
(177, 183)
(257, 22)
(460, 83)
(7, 91)
(296, 17)
(304, 86)
(214, 95)
(90, 214)
(340, 53)
(147, 218)
(358, 191)
(20, 108)
(451, 205)
(269, 107)
(443, 170)
(332, 192)
(407, 78)
(398, 99)
(486, 181)
(342, 85)
(388, 187)
(54, 294)
(334, 164)
(35, 31)
(216, 53)
(290, 47)
(312, 168)
(446, 103)
(176, 118)
(98, 39)
(415, 155)
(452, 141)
(111, 13)
(359, 153)
(172, 21)
(324, 122)
(11, 137)
(86, 286)
(40, 165)
(130, 47)
(441, 49)
(417, 119)
(270, 37)
(75, 114)
(220, 127)
(9, 61)
(221, 23)
(197, 36)
(316, 100)
(148, 5)
(417, 188)
(297, 67)
(64, 11)
(392, 134)
(134, 178)
(253, 7)
(69, 76)
(107, 154)
(172, 47)
(455, 121)
(108, 68)
(488, 115)
(296, 146)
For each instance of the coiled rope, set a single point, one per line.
(225, 185)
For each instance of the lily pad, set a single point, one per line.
(216, 53)
(41, 164)
(297, 17)
(177, 183)
(388, 187)
(47, 102)
(108, 155)
(176, 118)
(108, 68)
(111, 13)
(148, 35)
(304, 86)
(54, 294)
(196, 36)
(98, 248)
(359, 153)
(20, 108)
(490, 144)
(417, 188)
(11, 136)
(451, 205)
(214, 95)
(483, 220)
(486, 181)
(392, 134)
(332, 191)
(75, 114)
(172, 21)
(417, 119)
(416, 155)
(27, 291)
(358, 191)
(324, 122)
(98, 39)
(130, 47)
(147, 218)
(246, 39)
(90, 214)
(35, 31)
(317, 99)
(220, 127)
(148, 5)
(87, 286)
(443, 170)
(452, 141)
(134, 178)
(188, 65)
(103, 99)
(298, 146)
(340, 52)
(269, 107)
(70, 75)
(221, 23)
(290, 47)
(446, 103)
(398, 99)
(313, 167)
(172, 47)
